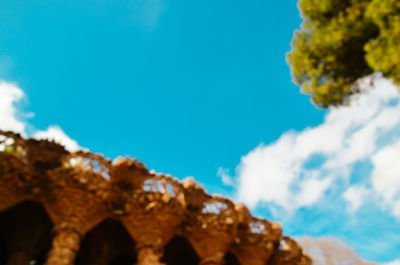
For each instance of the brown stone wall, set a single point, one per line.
(103, 212)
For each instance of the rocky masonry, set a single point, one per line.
(61, 208)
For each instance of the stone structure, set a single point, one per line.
(61, 208)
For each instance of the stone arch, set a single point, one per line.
(231, 259)
(179, 251)
(26, 233)
(107, 243)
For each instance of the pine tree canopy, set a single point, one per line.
(341, 41)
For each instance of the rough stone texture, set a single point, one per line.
(103, 212)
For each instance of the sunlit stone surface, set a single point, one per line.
(61, 208)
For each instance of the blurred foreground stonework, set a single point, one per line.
(61, 208)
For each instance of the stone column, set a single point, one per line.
(217, 259)
(66, 244)
(148, 255)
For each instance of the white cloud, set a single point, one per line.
(300, 167)
(311, 189)
(10, 94)
(57, 135)
(223, 173)
(355, 196)
(386, 175)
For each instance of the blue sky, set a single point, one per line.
(203, 89)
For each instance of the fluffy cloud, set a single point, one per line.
(301, 167)
(11, 94)
(385, 175)
(355, 196)
(57, 135)
(227, 180)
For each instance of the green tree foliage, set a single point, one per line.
(341, 41)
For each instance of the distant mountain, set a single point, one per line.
(330, 251)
